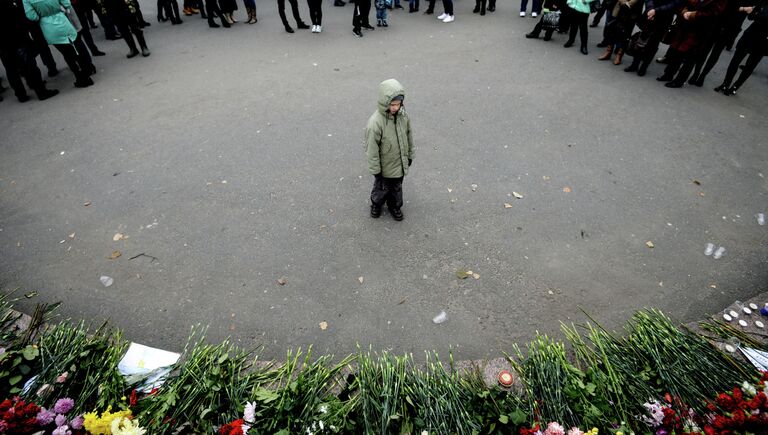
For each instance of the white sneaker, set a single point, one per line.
(448, 19)
(314, 29)
(534, 15)
(442, 16)
(319, 28)
(522, 14)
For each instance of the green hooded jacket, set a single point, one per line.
(388, 139)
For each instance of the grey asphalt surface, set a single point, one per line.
(234, 157)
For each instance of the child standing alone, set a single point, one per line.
(381, 12)
(390, 150)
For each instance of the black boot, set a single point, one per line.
(584, 50)
(568, 44)
(131, 45)
(143, 44)
(633, 66)
(532, 35)
(224, 21)
(396, 213)
(44, 93)
(375, 211)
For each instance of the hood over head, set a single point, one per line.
(388, 90)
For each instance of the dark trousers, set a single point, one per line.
(360, 15)
(742, 50)
(212, 8)
(316, 12)
(578, 23)
(20, 62)
(389, 190)
(130, 26)
(41, 45)
(85, 32)
(536, 7)
(295, 10)
(539, 27)
(657, 28)
(710, 56)
(73, 60)
(447, 6)
(679, 64)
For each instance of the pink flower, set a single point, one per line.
(554, 428)
(45, 417)
(62, 378)
(77, 422)
(575, 431)
(61, 420)
(62, 430)
(64, 405)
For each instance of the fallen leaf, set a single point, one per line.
(507, 205)
(72, 236)
(402, 302)
(701, 193)
(323, 325)
(114, 255)
(360, 279)
(476, 275)
(517, 195)
(650, 244)
(545, 177)
(567, 189)
(87, 203)
(697, 182)
(462, 274)
(281, 281)
(450, 190)
(118, 236)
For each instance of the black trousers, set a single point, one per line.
(743, 49)
(657, 28)
(316, 12)
(294, 9)
(73, 59)
(578, 22)
(387, 190)
(20, 62)
(41, 45)
(212, 7)
(85, 32)
(130, 26)
(680, 65)
(360, 16)
(539, 27)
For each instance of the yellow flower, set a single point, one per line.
(96, 424)
(619, 433)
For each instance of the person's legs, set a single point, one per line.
(10, 63)
(674, 60)
(448, 5)
(536, 30)
(295, 9)
(70, 57)
(394, 189)
(85, 33)
(714, 56)
(523, 5)
(41, 45)
(365, 11)
(752, 61)
(430, 7)
(172, 11)
(733, 67)
(536, 7)
(378, 196)
(583, 22)
(83, 57)
(27, 65)
(491, 5)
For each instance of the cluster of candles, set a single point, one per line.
(731, 314)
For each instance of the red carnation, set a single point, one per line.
(234, 428)
(133, 399)
(738, 396)
(724, 401)
(738, 418)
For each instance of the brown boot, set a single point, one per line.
(607, 54)
(619, 55)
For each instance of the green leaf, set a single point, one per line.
(205, 412)
(30, 353)
(591, 388)
(518, 417)
(503, 419)
(283, 432)
(394, 417)
(408, 399)
(24, 369)
(223, 358)
(266, 396)
(14, 380)
(15, 390)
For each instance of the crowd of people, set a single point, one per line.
(697, 32)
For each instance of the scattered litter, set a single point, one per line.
(62, 153)
(30, 295)
(118, 237)
(61, 241)
(517, 195)
(709, 249)
(71, 236)
(474, 187)
(86, 203)
(719, 253)
(147, 365)
(550, 292)
(742, 116)
(650, 244)
(282, 281)
(106, 280)
(114, 255)
(151, 258)
(567, 189)
(360, 279)
(323, 325)
(507, 205)
(476, 275)
(505, 379)
(697, 182)
(760, 218)
(440, 318)
(463, 274)
(424, 277)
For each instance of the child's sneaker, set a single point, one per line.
(319, 28)
(442, 16)
(448, 19)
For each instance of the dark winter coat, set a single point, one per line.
(693, 33)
